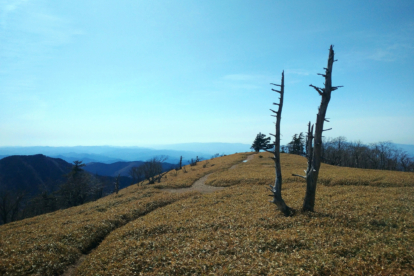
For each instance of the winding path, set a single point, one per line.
(199, 186)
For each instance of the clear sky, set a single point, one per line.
(134, 73)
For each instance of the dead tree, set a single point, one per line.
(116, 184)
(277, 188)
(314, 141)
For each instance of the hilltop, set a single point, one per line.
(32, 173)
(363, 224)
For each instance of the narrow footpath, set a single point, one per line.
(198, 186)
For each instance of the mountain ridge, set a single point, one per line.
(111, 154)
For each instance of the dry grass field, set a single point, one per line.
(363, 225)
(189, 174)
(48, 244)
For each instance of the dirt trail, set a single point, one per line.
(71, 270)
(250, 157)
(198, 186)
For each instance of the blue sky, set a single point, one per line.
(137, 73)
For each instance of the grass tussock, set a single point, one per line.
(359, 231)
(189, 174)
(260, 171)
(48, 244)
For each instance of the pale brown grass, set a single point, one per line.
(261, 171)
(363, 225)
(358, 231)
(48, 244)
(189, 174)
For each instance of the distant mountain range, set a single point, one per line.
(116, 168)
(109, 154)
(37, 173)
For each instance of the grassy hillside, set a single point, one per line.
(363, 224)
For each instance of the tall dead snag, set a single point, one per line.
(314, 141)
(277, 188)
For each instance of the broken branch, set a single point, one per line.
(299, 175)
(320, 90)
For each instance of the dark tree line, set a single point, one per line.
(340, 152)
(80, 187)
(381, 156)
(10, 203)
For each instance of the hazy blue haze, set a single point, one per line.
(107, 154)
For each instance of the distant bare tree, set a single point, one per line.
(405, 161)
(193, 161)
(277, 188)
(116, 184)
(151, 170)
(314, 140)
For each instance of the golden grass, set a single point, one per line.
(48, 244)
(363, 225)
(359, 231)
(189, 174)
(261, 171)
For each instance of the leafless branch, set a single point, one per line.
(299, 175)
(320, 90)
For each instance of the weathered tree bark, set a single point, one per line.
(314, 150)
(277, 188)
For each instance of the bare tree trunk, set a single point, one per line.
(117, 183)
(277, 188)
(314, 152)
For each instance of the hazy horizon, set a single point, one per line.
(136, 73)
